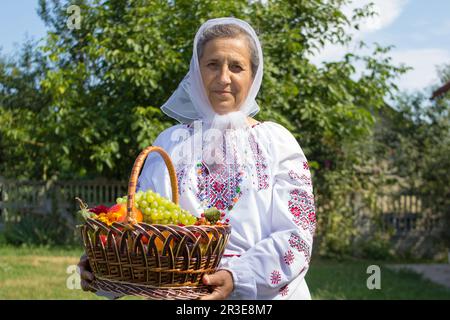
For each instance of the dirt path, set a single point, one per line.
(438, 273)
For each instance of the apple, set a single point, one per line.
(118, 213)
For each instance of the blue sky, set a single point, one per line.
(19, 21)
(419, 30)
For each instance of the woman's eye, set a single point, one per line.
(211, 64)
(236, 67)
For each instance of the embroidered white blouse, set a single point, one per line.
(270, 208)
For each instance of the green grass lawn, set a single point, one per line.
(328, 279)
(40, 273)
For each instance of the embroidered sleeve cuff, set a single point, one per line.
(244, 283)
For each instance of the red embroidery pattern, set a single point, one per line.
(275, 277)
(261, 164)
(284, 290)
(303, 179)
(221, 187)
(303, 269)
(289, 257)
(301, 206)
(300, 245)
(305, 165)
(181, 175)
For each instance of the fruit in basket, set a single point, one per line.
(157, 241)
(99, 209)
(160, 244)
(157, 209)
(203, 243)
(212, 215)
(84, 211)
(101, 214)
(103, 239)
(107, 246)
(118, 213)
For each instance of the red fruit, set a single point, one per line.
(99, 209)
(159, 243)
(103, 239)
(200, 221)
(118, 213)
(144, 239)
(138, 214)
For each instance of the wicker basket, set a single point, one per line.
(151, 260)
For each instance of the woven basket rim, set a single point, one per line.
(139, 256)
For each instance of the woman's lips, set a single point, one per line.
(222, 93)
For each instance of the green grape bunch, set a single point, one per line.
(157, 209)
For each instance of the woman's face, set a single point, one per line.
(226, 72)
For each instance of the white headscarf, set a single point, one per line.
(189, 102)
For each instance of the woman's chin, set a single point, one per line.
(223, 109)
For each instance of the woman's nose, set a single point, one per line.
(224, 75)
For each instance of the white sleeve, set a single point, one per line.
(145, 180)
(154, 172)
(266, 268)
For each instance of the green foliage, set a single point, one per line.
(39, 229)
(377, 246)
(87, 101)
(417, 144)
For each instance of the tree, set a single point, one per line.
(417, 144)
(104, 84)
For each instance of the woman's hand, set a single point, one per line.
(85, 273)
(223, 284)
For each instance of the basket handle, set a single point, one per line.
(138, 163)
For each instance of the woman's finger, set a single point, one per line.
(215, 295)
(86, 286)
(86, 275)
(83, 264)
(213, 279)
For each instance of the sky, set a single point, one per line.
(19, 21)
(419, 30)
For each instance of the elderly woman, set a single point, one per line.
(254, 172)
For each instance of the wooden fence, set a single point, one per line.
(415, 227)
(405, 213)
(29, 197)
